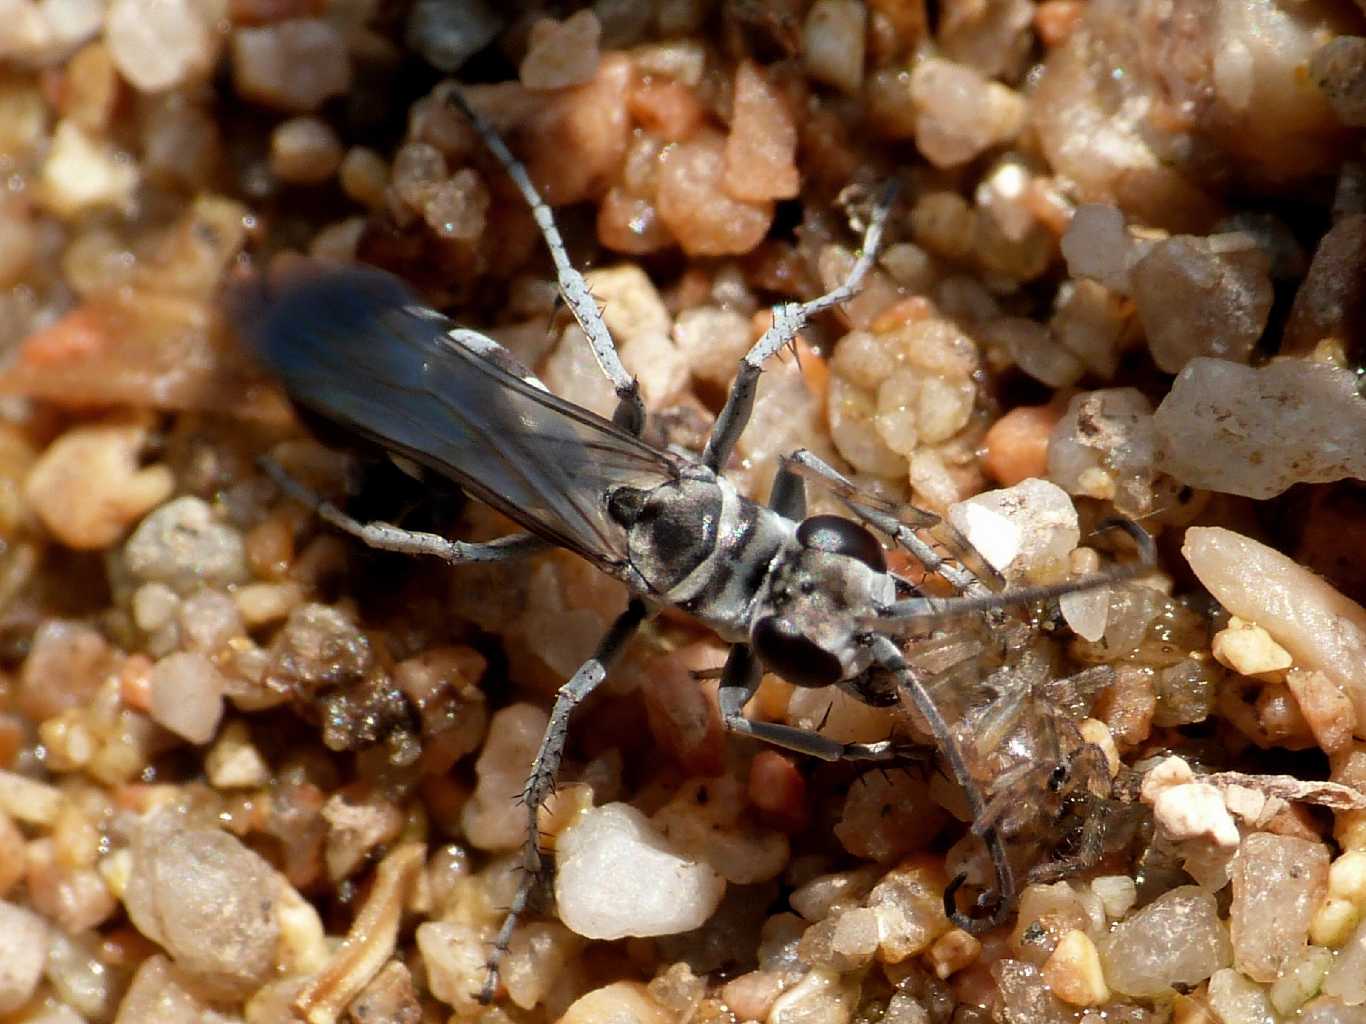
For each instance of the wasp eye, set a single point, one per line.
(841, 536)
(799, 660)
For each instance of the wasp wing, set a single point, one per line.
(355, 346)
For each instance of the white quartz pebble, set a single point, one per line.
(617, 876)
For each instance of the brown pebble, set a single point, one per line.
(1016, 446)
(778, 789)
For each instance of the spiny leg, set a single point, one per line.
(992, 906)
(546, 765)
(630, 412)
(902, 532)
(788, 319)
(387, 537)
(740, 680)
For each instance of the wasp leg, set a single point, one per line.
(739, 682)
(994, 904)
(630, 412)
(388, 537)
(939, 607)
(546, 765)
(788, 319)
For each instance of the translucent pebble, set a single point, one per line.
(961, 113)
(1098, 245)
(90, 484)
(856, 933)
(658, 366)
(626, 1002)
(1256, 431)
(1176, 939)
(159, 992)
(761, 148)
(631, 304)
(833, 43)
(1301, 979)
(457, 208)
(1339, 70)
(1118, 894)
(573, 372)
(909, 902)
(708, 820)
(1323, 629)
(159, 44)
(1327, 1010)
(449, 32)
(561, 54)
(886, 815)
(838, 715)
(821, 896)
(1003, 193)
(896, 420)
(1026, 532)
(455, 961)
(536, 956)
(234, 762)
(1089, 322)
(821, 997)
(852, 413)
(1238, 1000)
(1025, 996)
(418, 167)
(291, 65)
(1186, 692)
(304, 151)
(23, 951)
(933, 486)
(617, 876)
(1035, 350)
(1202, 297)
(1278, 883)
(693, 205)
(1105, 447)
(1346, 979)
(363, 174)
(208, 619)
(1086, 612)
(1046, 914)
(493, 818)
(186, 696)
(940, 408)
(83, 172)
(181, 544)
(154, 605)
(206, 898)
(942, 222)
(713, 340)
(630, 224)
(67, 663)
(81, 979)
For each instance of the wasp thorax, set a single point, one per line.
(673, 528)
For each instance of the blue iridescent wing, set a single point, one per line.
(355, 346)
